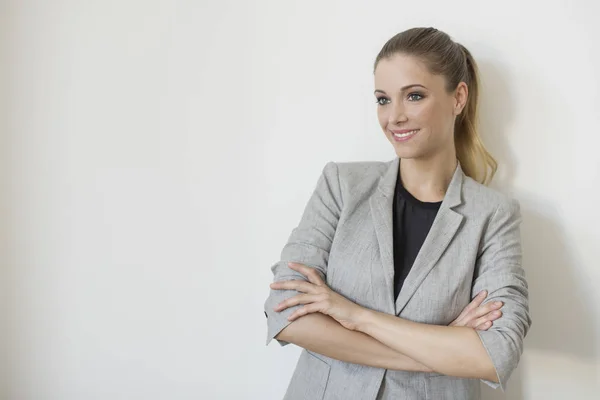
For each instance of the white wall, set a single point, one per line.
(156, 155)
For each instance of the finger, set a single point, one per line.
(476, 302)
(494, 315)
(472, 305)
(310, 272)
(485, 326)
(298, 299)
(487, 308)
(299, 285)
(481, 311)
(307, 309)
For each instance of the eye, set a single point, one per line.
(415, 97)
(382, 101)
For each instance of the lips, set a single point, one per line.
(404, 134)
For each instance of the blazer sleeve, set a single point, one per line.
(498, 270)
(309, 244)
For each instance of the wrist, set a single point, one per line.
(364, 318)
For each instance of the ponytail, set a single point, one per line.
(474, 158)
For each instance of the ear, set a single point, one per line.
(461, 94)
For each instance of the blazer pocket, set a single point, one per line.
(309, 380)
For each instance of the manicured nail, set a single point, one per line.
(498, 303)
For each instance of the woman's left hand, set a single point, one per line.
(317, 297)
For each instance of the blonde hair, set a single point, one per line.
(443, 56)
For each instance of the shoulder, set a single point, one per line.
(357, 177)
(358, 171)
(484, 200)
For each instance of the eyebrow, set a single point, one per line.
(403, 88)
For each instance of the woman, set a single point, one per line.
(375, 282)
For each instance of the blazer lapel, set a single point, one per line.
(442, 231)
(381, 203)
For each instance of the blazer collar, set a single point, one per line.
(442, 231)
(452, 198)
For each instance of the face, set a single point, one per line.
(414, 109)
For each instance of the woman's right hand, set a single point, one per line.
(477, 316)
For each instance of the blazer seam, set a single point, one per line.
(337, 172)
(495, 213)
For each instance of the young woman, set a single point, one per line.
(383, 281)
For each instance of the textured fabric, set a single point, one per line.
(412, 220)
(346, 233)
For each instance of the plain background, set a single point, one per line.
(155, 156)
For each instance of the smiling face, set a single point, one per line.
(414, 109)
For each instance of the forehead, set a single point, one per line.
(401, 70)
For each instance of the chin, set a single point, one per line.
(406, 155)
(406, 152)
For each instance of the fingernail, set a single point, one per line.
(483, 292)
(498, 303)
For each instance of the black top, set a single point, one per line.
(412, 220)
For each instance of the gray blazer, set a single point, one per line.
(346, 234)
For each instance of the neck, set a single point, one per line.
(428, 179)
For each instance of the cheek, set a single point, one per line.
(430, 116)
(444, 114)
(423, 114)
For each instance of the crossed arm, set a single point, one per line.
(331, 325)
(324, 335)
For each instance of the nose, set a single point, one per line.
(397, 113)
